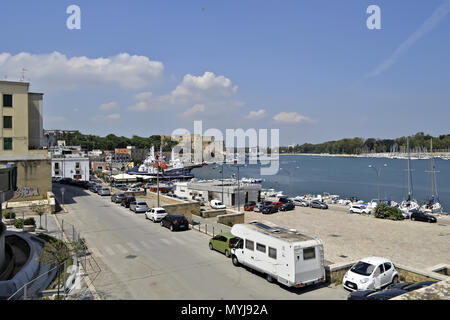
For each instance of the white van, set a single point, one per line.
(285, 255)
(216, 204)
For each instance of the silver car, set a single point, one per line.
(139, 206)
(104, 191)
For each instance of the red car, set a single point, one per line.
(249, 207)
(276, 204)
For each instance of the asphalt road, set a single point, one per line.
(140, 259)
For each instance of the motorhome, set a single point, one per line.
(288, 256)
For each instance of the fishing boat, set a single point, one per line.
(432, 205)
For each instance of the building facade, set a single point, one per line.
(21, 140)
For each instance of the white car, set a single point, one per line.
(258, 207)
(216, 204)
(357, 208)
(156, 214)
(370, 273)
(133, 190)
(138, 206)
(104, 192)
(300, 202)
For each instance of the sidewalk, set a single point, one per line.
(208, 225)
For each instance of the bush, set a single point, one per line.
(383, 211)
(9, 214)
(29, 222)
(18, 223)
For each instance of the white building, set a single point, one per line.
(214, 190)
(70, 166)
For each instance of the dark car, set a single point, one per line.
(269, 210)
(318, 204)
(283, 200)
(127, 200)
(287, 207)
(175, 222)
(94, 188)
(422, 216)
(118, 197)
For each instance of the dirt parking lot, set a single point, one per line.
(351, 236)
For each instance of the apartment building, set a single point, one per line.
(22, 141)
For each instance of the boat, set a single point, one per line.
(410, 203)
(432, 205)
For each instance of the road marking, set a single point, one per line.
(121, 248)
(96, 252)
(145, 245)
(132, 246)
(109, 251)
(178, 240)
(167, 242)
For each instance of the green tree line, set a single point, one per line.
(360, 145)
(111, 141)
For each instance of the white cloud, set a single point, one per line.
(143, 102)
(254, 115)
(108, 106)
(291, 117)
(114, 116)
(429, 24)
(198, 108)
(56, 70)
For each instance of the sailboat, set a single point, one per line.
(432, 205)
(410, 203)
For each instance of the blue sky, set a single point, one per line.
(300, 66)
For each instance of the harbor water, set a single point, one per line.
(345, 176)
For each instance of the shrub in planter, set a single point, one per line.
(9, 214)
(29, 222)
(383, 211)
(18, 223)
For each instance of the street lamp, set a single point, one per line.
(378, 172)
(238, 182)
(221, 171)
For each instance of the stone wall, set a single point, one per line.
(186, 209)
(212, 213)
(231, 219)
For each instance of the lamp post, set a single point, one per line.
(221, 171)
(238, 183)
(378, 172)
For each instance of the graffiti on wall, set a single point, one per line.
(26, 192)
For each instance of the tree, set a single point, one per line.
(39, 210)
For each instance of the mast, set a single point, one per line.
(432, 170)
(409, 171)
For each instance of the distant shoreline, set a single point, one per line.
(319, 154)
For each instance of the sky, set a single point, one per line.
(312, 69)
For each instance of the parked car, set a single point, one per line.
(357, 208)
(370, 273)
(97, 188)
(389, 293)
(216, 204)
(422, 216)
(258, 207)
(300, 202)
(276, 204)
(138, 206)
(318, 204)
(175, 222)
(284, 199)
(223, 243)
(133, 190)
(269, 210)
(118, 197)
(249, 206)
(104, 191)
(127, 200)
(156, 214)
(287, 207)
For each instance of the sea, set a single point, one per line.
(345, 176)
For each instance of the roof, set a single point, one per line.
(159, 208)
(375, 260)
(289, 235)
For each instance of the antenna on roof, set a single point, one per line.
(23, 74)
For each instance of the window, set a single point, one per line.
(7, 122)
(272, 253)
(7, 144)
(380, 269)
(260, 247)
(7, 100)
(250, 245)
(387, 266)
(77, 165)
(309, 253)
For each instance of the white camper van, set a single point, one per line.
(292, 258)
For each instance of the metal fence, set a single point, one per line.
(209, 228)
(75, 279)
